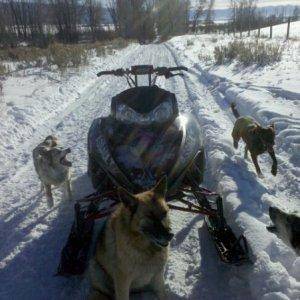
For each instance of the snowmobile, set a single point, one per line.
(144, 138)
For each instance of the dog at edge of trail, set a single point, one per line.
(132, 249)
(52, 167)
(286, 226)
(258, 139)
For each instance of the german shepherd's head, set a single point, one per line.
(149, 215)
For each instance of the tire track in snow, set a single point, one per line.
(27, 225)
(216, 280)
(35, 235)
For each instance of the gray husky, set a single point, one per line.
(52, 167)
(286, 226)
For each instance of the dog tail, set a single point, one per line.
(234, 110)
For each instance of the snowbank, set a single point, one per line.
(247, 198)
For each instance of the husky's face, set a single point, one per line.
(150, 214)
(286, 226)
(56, 156)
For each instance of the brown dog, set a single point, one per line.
(132, 250)
(257, 139)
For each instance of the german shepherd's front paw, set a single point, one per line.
(260, 175)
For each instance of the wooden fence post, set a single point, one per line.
(288, 29)
(271, 31)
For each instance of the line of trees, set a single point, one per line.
(39, 21)
(172, 17)
(246, 16)
(133, 19)
(143, 19)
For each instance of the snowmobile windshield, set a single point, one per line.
(144, 153)
(144, 105)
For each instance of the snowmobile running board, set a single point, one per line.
(74, 256)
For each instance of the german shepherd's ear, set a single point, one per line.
(129, 200)
(161, 187)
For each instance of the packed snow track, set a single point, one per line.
(32, 235)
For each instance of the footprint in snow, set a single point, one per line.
(60, 126)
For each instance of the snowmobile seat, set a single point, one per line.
(144, 105)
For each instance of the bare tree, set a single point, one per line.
(198, 12)
(19, 16)
(94, 16)
(244, 15)
(112, 8)
(133, 18)
(172, 16)
(296, 13)
(8, 36)
(66, 14)
(37, 18)
(209, 16)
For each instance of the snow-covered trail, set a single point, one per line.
(32, 236)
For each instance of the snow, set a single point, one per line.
(38, 102)
(281, 30)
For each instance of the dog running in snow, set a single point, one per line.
(258, 139)
(52, 167)
(286, 226)
(132, 250)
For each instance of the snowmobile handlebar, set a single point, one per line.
(118, 72)
(144, 70)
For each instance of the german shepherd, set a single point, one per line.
(132, 250)
(257, 139)
(52, 167)
(286, 226)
